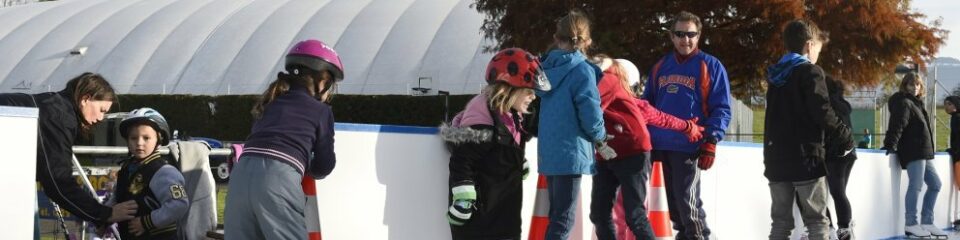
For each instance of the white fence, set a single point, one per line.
(18, 150)
(391, 183)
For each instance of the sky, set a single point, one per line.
(949, 10)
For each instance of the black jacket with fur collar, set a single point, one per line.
(488, 157)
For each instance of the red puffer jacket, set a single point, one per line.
(626, 117)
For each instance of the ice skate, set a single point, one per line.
(916, 232)
(935, 232)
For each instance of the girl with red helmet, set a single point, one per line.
(487, 143)
(292, 136)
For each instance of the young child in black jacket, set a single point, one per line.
(147, 178)
(487, 147)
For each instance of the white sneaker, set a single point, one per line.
(833, 233)
(934, 230)
(916, 231)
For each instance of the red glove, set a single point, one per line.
(693, 131)
(706, 154)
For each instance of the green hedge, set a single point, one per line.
(230, 119)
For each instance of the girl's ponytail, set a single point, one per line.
(296, 75)
(574, 28)
(277, 87)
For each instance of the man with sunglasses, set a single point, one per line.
(688, 83)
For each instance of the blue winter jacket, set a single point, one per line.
(570, 116)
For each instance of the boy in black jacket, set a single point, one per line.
(799, 119)
(147, 178)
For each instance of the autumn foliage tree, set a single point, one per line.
(868, 38)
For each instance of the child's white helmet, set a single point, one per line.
(146, 116)
(633, 74)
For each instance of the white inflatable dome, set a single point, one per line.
(228, 47)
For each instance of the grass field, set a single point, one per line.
(221, 201)
(942, 131)
(758, 116)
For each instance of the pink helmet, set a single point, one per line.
(317, 56)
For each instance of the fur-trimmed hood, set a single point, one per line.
(457, 135)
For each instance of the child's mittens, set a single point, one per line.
(464, 196)
(606, 152)
(526, 169)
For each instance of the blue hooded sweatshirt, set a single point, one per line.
(781, 71)
(570, 116)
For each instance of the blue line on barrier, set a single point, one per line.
(870, 150)
(19, 112)
(359, 127)
(741, 144)
(758, 145)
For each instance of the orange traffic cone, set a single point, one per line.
(311, 212)
(657, 210)
(541, 209)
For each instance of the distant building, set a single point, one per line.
(229, 47)
(946, 70)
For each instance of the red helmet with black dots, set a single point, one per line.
(518, 68)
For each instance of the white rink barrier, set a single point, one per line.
(390, 182)
(18, 151)
(737, 199)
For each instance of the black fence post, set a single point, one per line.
(446, 105)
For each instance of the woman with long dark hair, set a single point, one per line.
(66, 116)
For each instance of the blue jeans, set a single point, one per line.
(629, 174)
(563, 191)
(918, 173)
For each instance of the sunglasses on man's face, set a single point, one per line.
(681, 34)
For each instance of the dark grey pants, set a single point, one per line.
(812, 196)
(265, 201)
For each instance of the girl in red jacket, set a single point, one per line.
(626, 117)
